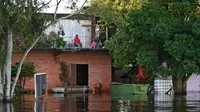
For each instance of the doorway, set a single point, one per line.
(82, 74)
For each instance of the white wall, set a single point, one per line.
(71, 28)
(193, 83)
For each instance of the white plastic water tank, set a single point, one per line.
(162, 86)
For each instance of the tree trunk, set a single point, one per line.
(179, 85)
(1, 85)
(3, 72)
(7, 97)
(7, 107)
(179, 104)
(24, 82)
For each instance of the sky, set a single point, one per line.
(62, 7)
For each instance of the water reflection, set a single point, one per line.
(163, 102)
(74, 103)
(8, 107)
(105, 103)
(169, 103)
(157, 103)
(40, 105)
(99, 103)
(131, 103)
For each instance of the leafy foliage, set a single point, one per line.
(140, 37)
(155, 34)
(114, 12)
(24, 17)
(35, 27)
(51, 41)
(28, 69)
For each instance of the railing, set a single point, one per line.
(85, 41)
(67, 42)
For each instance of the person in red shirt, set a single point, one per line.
(141, 76)
(76, 41)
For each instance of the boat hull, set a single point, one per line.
(118, 89)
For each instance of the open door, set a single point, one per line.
(82, 74)
(73, 74)
(78, 74)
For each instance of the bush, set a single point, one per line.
(27, 71)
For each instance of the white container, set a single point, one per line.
(162, 86)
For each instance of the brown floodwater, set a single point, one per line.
(104, 103)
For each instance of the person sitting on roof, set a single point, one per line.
(93, 44)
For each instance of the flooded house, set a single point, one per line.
(86, 66)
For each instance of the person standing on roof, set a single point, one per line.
(76, 41)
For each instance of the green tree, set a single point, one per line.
(22, 18)
(113, 12)
(17, 16)
(160, 33)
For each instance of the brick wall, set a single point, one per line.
(99, 65)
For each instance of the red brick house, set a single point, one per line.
(87, 66)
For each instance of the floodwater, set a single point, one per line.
(104, 103)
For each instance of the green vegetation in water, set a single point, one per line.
(28, 71)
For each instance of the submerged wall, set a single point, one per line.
(99, 65)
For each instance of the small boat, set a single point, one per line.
(77, 89)
(118, 89)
